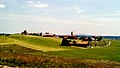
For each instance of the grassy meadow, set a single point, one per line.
(21, 50)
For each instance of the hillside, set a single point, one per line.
(38, 43)
(35, 45)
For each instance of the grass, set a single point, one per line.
(111, 52)
(38, 46)
(14, 48)
(39, 43)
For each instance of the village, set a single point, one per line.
(70, 40)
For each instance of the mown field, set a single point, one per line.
(35, 51)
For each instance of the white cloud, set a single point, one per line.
(2, 6)
(22, 6)
(78, 10)
(104, 20)
(11, 14)
(45, 18)
(31, 2)
(37, 4)
(74, 10)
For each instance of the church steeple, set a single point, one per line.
(72, 33)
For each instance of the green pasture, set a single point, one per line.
(50, 46)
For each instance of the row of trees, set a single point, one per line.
(47, 34)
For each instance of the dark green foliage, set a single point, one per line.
(99, 43)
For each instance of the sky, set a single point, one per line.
(95, 17)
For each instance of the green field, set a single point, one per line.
(49, 47)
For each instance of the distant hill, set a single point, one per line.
(112, 37)
(109, 37)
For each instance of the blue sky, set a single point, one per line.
(98, 17)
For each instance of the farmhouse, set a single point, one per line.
(47, 34)
(82, 41)
(69, 42)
